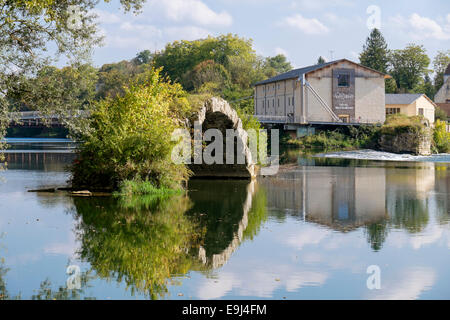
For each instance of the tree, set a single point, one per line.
(375, 52)
(143, 57)
(440, 114)
(276, 65)
(129, 137)
(31, 28)
(181, 57)
(409, 66)
(321, 60)
(440, 63)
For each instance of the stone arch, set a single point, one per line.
(218, 114)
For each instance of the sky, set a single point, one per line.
(302, 30)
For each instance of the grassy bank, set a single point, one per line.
(138, 187)
(344, 138)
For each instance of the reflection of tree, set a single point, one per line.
(4, 294)
(45, 291)
(143, 245)
(229, 212)
(408, 213)
(376, 234)
(257, 215)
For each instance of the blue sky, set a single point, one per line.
(303, 30)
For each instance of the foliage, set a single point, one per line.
(441, 138)
(29, 29)
(142, 246)
(143, 187)
(409, 66)
(440, 114)
(399, 123)
(347, 139)
(321, 60)
(375, 52)
(276, 65)
(440, 63)
(129, 137)
(114, 77)
(257, 215)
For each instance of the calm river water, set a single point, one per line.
(310, 232)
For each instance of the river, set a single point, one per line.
(310, 232)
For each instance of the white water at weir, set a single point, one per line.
(367, 154)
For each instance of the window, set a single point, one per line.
(278, 103)
(292, 100)
(421, 111)
(344, 117)
(343, 80)
(392, 110)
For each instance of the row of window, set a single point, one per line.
(392, 110)
(271, 87)
(290, 102)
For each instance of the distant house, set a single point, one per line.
(411, 104)
(442, 97)
(336, 92)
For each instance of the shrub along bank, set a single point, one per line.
(399, 134)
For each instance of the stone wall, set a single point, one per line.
(216, 113)
(412, 141)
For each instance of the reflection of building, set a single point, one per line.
(342, 198)
(418, 180)
(408, 195)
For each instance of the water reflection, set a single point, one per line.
(309, 232)
(41, 161)
(345, 198)
(149, 242)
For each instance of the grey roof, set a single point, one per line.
(296, 73)
(402, 98)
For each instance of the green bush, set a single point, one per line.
(343, 138)
(400, 123)
(129, 138)
(441, 138)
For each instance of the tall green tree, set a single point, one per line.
(440, 63)
(276, 65)
(409, 66)
(375, 52)
(30, 29)
(321, 60)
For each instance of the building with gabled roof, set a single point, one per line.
(442, 97)
(335, 92)
(411, 104)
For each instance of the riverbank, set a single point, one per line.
(399, 134)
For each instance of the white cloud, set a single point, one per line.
(307, 26)
(420, 28)
(307, 236)
(105, 17)
(186, 33)
(281, 51)
(191, 11)
(320, 4)
(409, 286)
